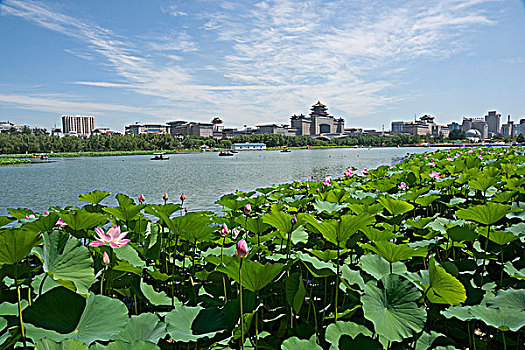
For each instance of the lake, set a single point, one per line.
(202, 177)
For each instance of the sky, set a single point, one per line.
(258, 62)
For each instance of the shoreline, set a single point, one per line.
(190, 151)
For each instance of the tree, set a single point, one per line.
(456, 134)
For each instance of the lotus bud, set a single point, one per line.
(248, 209)
(235, 233)
(165, 196)
(46, 213)
(142, 199)
(186, 209)
(105, 258)
(294, 220)
(182, 197)
(242, 249)
(224, 230)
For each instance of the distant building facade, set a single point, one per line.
(493, 121)
(182, 128)
(424, 126)
(318, 123)
(248, 146)
(81, 125)
(8, 126)
(273, 129)
(146, 128)
(476, 124)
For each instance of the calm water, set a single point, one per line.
(203, 177)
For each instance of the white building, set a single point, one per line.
(248, 146)
(81, 125)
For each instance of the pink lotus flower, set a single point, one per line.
(434, 175)
(348, 172)
(403, 186)
(224, 230)
(113, 237)
(30, 216)
(248, 209)
(142, 199)
(365, 170)
(431, 164)
(327, 181)
(60, 223)
(105, 258)
(242, 249)
(235, 233)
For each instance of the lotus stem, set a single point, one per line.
(485, 260)
(504, 341)
(337, 282)
(241, 306)
(20, 306)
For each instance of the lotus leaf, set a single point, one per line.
(393, 309)
(444, 288)
(395, 206)
(295, 343)
(486, 214)
(336, 330)
(16, 243)
(94, 197)
(144, 327)
(179, 323)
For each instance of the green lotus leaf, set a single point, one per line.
(352, 277)
(444, 288)
(461, 233)
(179, 322)
(504, 318)
(316, 267)
(95, 315)
(65, 258)
(513, 271)
(124, 200)
(395, 206)
(19, 213)
(94, 197)
(136, 345)
(129, 254)
(497, 236)
(79, 220)
(154, 297)
(69, 344)
(192, 227)
(336, 330)
(295, 343)
(394, 252)
(327, 207)
(4, 220)
(486, 214)
(44, 223)
(325, 255)
(254, 225)
(278, 219)
(455, 201)
(378, 267)
(339, 231)
(482, 183)
(418, 222)
(393, 309)
(425, 341)
(295, 291)
(16, 243)
(299, 235)
(145, 327)
(125, 214)
(255, 276)
(425, 201)
(510, 298)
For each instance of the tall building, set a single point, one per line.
(81, 125)
(493, 120)
(396, 126)
(319, 122)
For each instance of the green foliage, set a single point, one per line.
(418, 269)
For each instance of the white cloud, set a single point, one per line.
(276, 57)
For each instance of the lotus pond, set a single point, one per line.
(424, 254)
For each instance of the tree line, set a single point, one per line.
(39, 141)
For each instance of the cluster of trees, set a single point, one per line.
(39, 141)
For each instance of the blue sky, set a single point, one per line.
(254, 62)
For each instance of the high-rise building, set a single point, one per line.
(493, 120)
(80, 125)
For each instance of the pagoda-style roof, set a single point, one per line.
(216, 120)
(318, 104)
(427, 117)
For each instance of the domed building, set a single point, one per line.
(473, 135)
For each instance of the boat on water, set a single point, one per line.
(159, 156)
(225, 154)
(285, 149)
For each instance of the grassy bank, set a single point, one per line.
(424, 254)
(13, 161)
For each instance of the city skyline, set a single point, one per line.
(260, 62)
